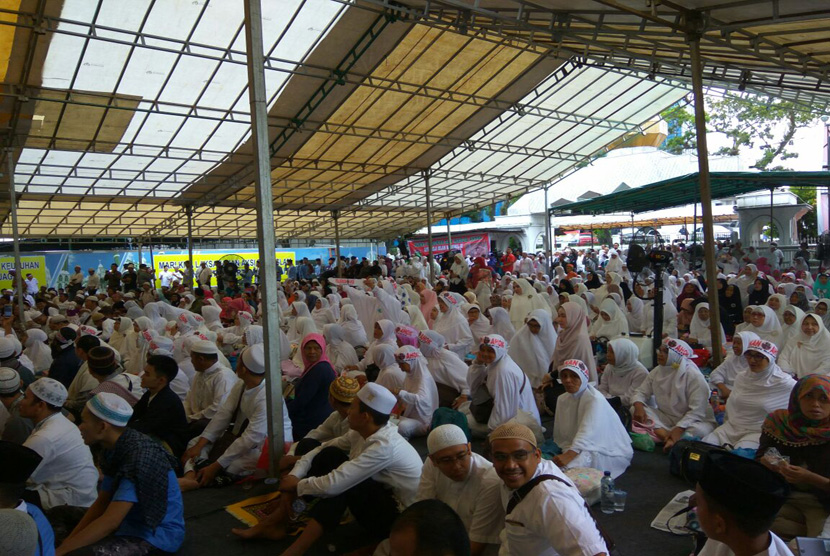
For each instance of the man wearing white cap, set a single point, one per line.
(9, 360)
(209, 388)
(139, 509)
(377, 479)
(243, 418)
(67, 474)
(16, 428)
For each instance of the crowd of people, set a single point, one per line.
(118, 396)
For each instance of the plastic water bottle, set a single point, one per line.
(606, 490)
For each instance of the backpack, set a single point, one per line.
(449, 416)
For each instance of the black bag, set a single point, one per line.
(686, 459)
(520, 494)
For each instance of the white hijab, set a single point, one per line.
(533, 353)
(615, 327)
(770, 330)
(354, 332)
(37, 351)
(636, 315)
(446, 367)
(808, 354)
(699, 328)
(338, 350)
(501, 323)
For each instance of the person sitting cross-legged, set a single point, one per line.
(373, 471)
(139, 508)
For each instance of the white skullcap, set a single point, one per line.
(161, 351)
(49, 390)
(9, 381)
(205, 347)
(254, 358)
(6, 347)
(378, 398)
(111, 408)
(444, 437)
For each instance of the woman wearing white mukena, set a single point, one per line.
(532, 346)
(808, 352)
(499, 389)
(757, 392)
(681, 393)
(586, 427)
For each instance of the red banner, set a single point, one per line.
(473, 245)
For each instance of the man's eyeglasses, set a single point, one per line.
(518, 455)
(449, 460)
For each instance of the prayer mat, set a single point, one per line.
(251, 510)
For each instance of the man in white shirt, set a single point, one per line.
(209, 388)
(204, 276)
(67, 474)
(244, 415)
(776, 259)
(76, 281)
(377, 478)
(93, 282)
(737, 501)
(543, 517)
(32, 286)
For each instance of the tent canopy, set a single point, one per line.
(685, 190)
(122, 114)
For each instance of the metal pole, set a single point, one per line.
(265, 231)
(139, 253)
(430, 273)
(705, 198)
(771, 190)
(547, 228)
(335, 214)
(189, 210)
(18, 266)
(694, 239)
(449, 235)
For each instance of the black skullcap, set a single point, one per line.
(17, 462)
(743, 486)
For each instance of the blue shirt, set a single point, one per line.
(292, 272)
(45, 534)
(169, 535)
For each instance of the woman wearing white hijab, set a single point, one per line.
(635, 314)
(416, 318)
(669, 317)
(764, 322)
(211, 316)
(255, 334)
(498, 388)
(390, 376)
(354, 333)
(586, 427)
(623, 373)
(758, 391)
(532, 346)
(778, 302)
(682, 396)
(573, 341)
(138, 356)
(452, 325)
(448, 370)
(153, 312)
(298, 309)
(699, 329)
(525, 300)
(808, 352)
(479, 324)
(321, 314)
(304, 326)
(614, 263)
(334, 305)
(791, 326)
(122, 329)
(37, 350)
(341, 354)
(724, 375)
(418, 394)
(501, 325)
(459, 270)
(611, 323)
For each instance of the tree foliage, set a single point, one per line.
(748, 121)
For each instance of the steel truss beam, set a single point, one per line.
(472, 20)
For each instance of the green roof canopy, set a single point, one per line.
(685, 190)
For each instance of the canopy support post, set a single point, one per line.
(335, 214)
(449, 234)
(694, 239)
(18, 266)
(771, 191)
(189, 210)
(430, 273)
(705, 196)
(139, 254)
(265, 231)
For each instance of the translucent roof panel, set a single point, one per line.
(570, 117)
(164, 89)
